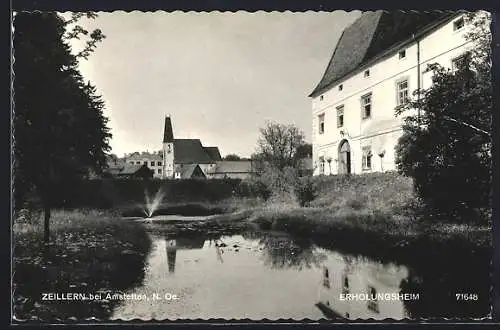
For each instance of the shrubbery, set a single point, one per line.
(282, 186)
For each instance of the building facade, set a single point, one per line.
(153, 160)
(378, 62)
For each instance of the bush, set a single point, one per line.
(255, 187)
(305, 189)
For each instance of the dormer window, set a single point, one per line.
(458, 24)
(367, 73)
(341, 87)
(402, 54)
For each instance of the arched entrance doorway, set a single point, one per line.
(344, 157)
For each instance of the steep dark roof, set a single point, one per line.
(168, 133)
(371, 35)
(213, 153)
(131, 169)
(190, 171)
(190, 151)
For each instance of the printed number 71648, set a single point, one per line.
(466, 296)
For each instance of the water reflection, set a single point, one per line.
(281, 251)
(181, 243)
(260, 275)
(359, 288)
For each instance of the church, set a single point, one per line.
(186, 158)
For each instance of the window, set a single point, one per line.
(132, 163)
(340, 116)
(367, 73)
(158, 163)
(326, 278)
(145, 162)
(321, 165)
(373, 301)
(321, 123)
(341, 87)
(402, 54)
(458, 24)
(321, 98)
(460, 62)
(152, 163)
(366, 105)
(367, 158)
(137, 163)
(402, 91)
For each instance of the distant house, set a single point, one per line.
(189, 171)
(129, 171)
(237, 169)
(153, 160)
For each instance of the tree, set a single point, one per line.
(232, 157)
(60, 131)
(278, 145)
(446, 148)
(304, 151)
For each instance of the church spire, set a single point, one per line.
(168, 133)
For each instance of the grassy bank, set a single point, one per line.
(90, 252)
(377, 213)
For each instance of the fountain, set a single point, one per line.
(152, 204)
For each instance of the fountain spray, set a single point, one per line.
(152, 204)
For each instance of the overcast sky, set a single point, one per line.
(220, 76)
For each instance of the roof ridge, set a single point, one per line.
(371, 35)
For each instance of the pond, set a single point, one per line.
(203, 270)
(258, 275)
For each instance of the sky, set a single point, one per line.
(220, 76)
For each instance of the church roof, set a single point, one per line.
(168, 133)
(370, 36)
(190, 151)
(213, 153)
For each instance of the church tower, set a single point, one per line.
(168, 149)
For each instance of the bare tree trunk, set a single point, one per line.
(46, 222)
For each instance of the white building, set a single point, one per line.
(379, 61)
